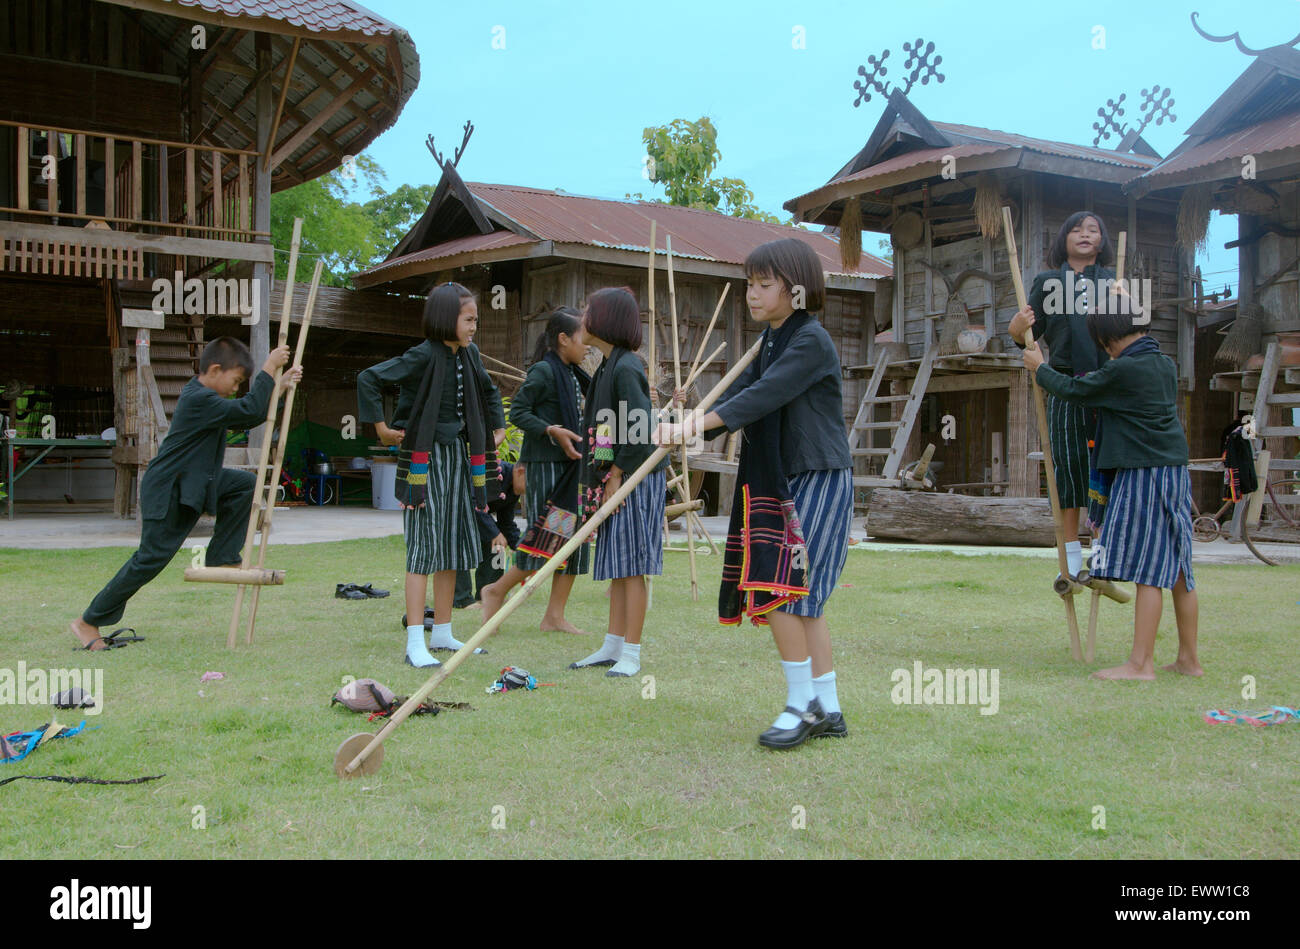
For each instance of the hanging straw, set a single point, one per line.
(988, 205)
(1193, 225)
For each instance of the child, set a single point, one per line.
(186, 479)
(794, 486)
(548, 409)
(1078, 257)
(1146, 536)
(629, 545)
(454, 405)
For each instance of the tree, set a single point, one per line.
(349, 235)
(681, 156)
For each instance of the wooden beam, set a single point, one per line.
(298, 138)
(143, 243)
(284, 91)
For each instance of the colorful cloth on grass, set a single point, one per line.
(1277, 716)
(765, 562)
(18, 745)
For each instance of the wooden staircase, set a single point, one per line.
(859, 446)
(1279, 387)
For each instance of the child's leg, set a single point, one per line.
(234, 501)
(494, 594)
(819, 647)
(1186, 610)
(1073, 549)
(630, 594)
(791, 636)
(611, 650)
(1146, 619)
(561, 586)
(417, 652)
(160, 538)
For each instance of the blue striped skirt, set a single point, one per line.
(443, 535)
(630, 543)
(824, 503)
(539, 480)
(1147, 534)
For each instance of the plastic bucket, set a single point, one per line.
(383, 483)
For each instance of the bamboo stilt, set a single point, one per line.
(537, 579)
(677, 385)
(1013, 258)
(286, 417)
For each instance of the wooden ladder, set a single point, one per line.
(901, 427)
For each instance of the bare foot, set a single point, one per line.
(492, 600)
(86, 634)
(1186, 668)
(549, 625)
(1126, 671)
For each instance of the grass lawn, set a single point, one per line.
(590, 768)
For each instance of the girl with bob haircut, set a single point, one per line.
(1059, 303)
(548, 409)
(1146, 536)
(450, 419)
(789, 531)
(629, 545)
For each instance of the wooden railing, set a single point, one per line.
(132, 184)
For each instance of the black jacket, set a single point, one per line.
(805, 382)
(406, 371)
(533, 408)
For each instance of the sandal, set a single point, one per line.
(111, 641)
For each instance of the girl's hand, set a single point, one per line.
(1033, 358)
(613, 483)
(498, 436)
(389, 436)
(1022, 323)
(565, 439)
(679, 396)
(291, 377)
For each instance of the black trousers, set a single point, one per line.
(470, 590)
(161, 538)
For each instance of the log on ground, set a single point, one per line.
(959, 519)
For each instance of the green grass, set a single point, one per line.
(589, 768)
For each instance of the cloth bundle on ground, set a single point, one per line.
(18, 745)
(370, 695)
(764, 564)
(1277, 716)
(559, 519)
(513, 678)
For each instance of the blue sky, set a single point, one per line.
(563, 104)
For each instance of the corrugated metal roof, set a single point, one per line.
(450, 248)
(625, 225)
(1046, 146)
(321, 16)
(1273, 135)
(910, 160)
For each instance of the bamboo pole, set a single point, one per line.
(705, 338)
(677, 385)
(654, 365)
(537, 579)
(1044, 436)
(263, 497)
(286, 417)
(504, 365)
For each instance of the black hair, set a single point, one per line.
(1057, 255)
(613, 315)
(1107, 327)
(565, 320)
(795, 264)
(226, 352)
(442, 311)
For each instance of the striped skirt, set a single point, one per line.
(443, 535)
(1068, 428)
(1147, 534)
(824, 503)
(539, 481)
(630, 543)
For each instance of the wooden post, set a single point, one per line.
(110, 178)
(24, 174)
(260, 332)
(541, 576)
(1013, 259)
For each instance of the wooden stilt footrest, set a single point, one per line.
(254, 576)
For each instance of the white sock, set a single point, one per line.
(609, 652)
(799, 690)
(629, 663)
(416, 650)
(440, 637)
(1074, 557)
(824, 687)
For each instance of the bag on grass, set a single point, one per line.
(370, 695)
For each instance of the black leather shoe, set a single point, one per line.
(811, 723)
(835, 727)
(428, 618)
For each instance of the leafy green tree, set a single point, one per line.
(349, 235)
(681, 156)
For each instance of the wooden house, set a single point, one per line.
(526, 251)
(1243, 156)
(143, 139)
(931, 186)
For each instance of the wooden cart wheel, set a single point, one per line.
(353, 747)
